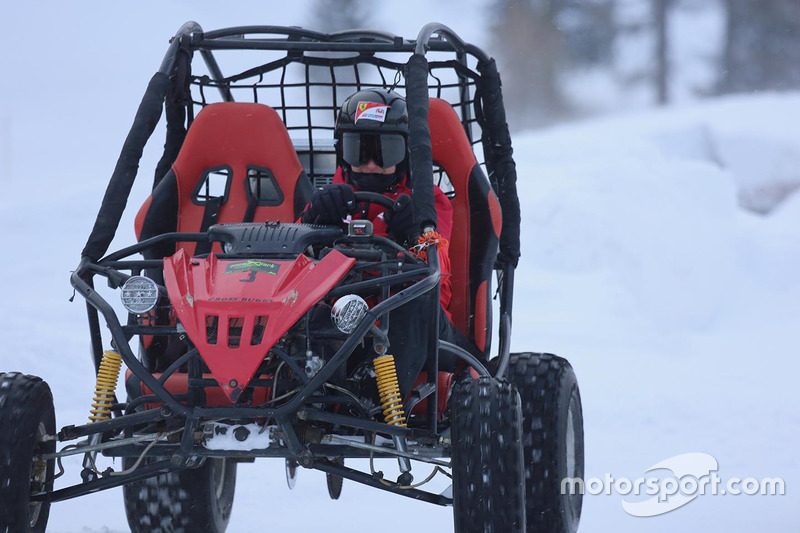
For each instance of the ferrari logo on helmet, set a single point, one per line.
(371, 111)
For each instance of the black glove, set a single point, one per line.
(330, 204)
(400, 219)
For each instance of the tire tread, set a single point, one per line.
(488, 482)
(541, 379)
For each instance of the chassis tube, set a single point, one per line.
(168, 63)
(366, 479)
(428, 283)
(416, 290)
(89, 487)
(506, 303)
(427, 31)
(465, 355)
(94, 298)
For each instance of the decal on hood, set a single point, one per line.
(252, 266)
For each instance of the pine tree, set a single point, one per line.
(530, 54)
(762, 46)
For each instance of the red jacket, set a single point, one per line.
(444, 225)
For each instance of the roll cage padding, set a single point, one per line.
(476, 224)
(119, 188)
(419, 141)
(176, 105)
(235, 138)
(499, 158)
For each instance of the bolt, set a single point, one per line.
(306, 459)
(241, 433)
(88, 475)
(405, 479)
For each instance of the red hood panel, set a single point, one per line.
(236, 310)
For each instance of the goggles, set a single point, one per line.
(385, 150)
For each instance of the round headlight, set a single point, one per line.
(139, 294)
(348, 311)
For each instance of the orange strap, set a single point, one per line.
(424, 241)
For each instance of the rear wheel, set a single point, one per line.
(188, 501)
(27, 417)
(552, 432)
(488, 478)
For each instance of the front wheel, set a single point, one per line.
(27, 419)
(552, 431)
(188, 501)
(488, 478)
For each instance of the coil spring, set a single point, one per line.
(389, 391)
(106, 386)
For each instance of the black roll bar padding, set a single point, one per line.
(501, 161)
(119, 187)
(147, 116)
(178, 101)
(419, 142)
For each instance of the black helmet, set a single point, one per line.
(373, 125)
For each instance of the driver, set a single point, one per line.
(371, 135)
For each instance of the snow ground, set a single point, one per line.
(678, 309)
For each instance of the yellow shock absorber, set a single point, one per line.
(106, 386)
(389, 391)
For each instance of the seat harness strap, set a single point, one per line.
(209, 218)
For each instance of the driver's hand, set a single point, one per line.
(400, 220)
(330, 204)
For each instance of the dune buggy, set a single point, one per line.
(247, 335)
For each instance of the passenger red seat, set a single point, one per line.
(476, 224)
(237, 164)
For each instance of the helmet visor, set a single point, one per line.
(385, 150)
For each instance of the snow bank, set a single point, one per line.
(678, 310)
(750, 137)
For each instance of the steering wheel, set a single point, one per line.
(363, 197)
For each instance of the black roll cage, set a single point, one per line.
(169, 89)
(433, 37)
